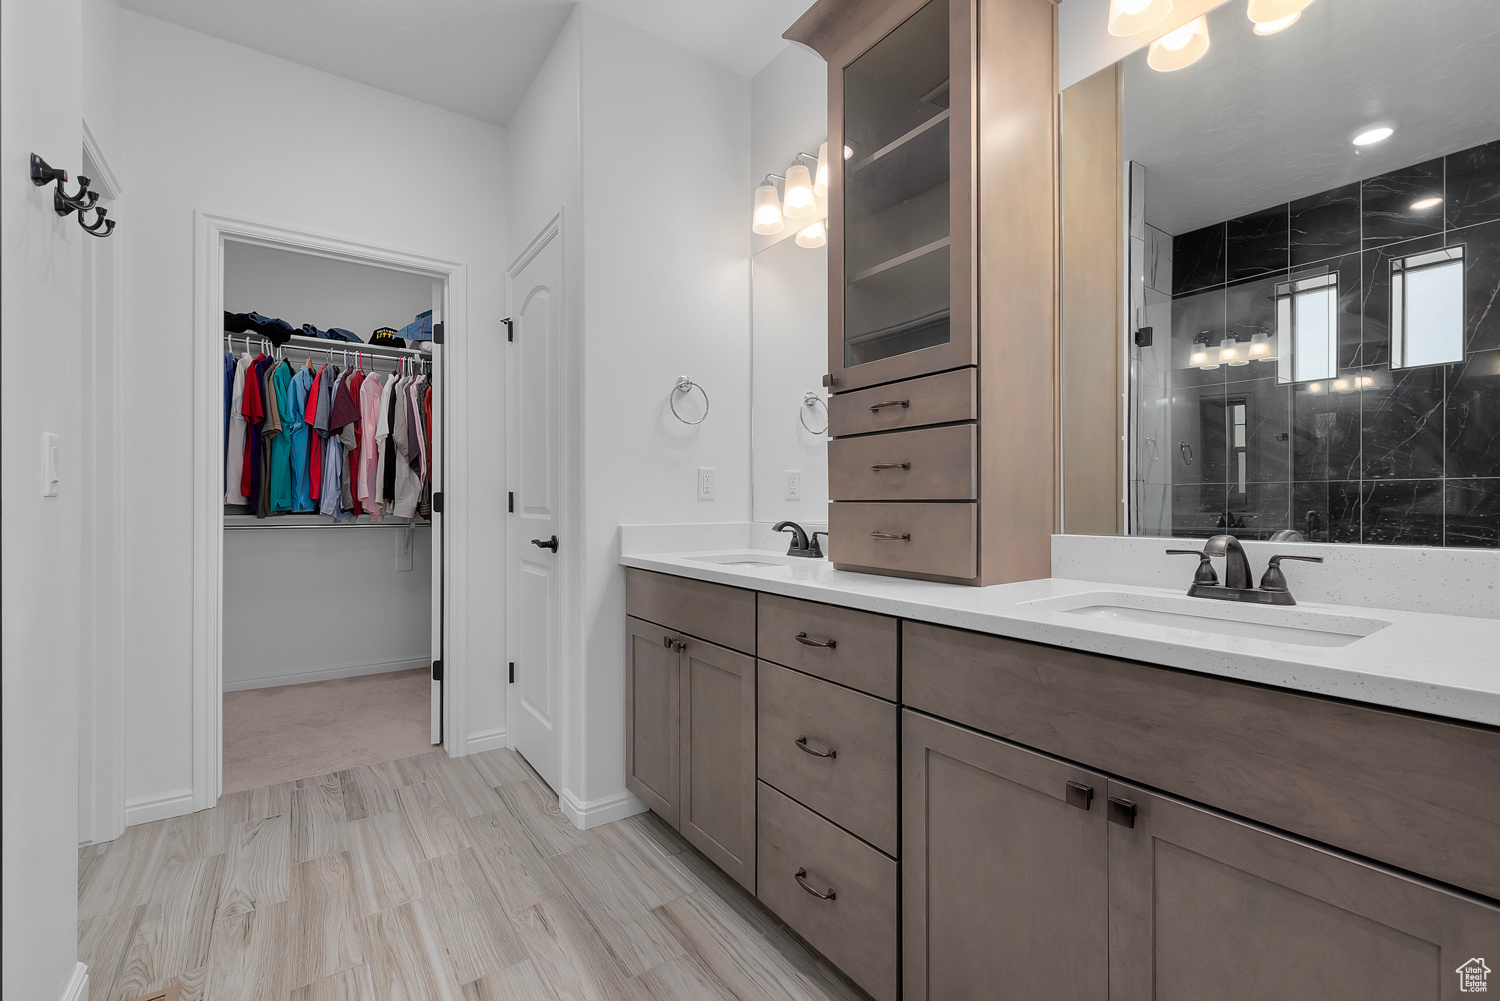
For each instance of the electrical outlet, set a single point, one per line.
(705, 483)
(406, 541)
(793, 484)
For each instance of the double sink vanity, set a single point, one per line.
(1072, 789)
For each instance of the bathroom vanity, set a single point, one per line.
(943, 789)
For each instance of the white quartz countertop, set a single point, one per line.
(1443, 665)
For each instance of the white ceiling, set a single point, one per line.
(1263, 120)
(475, 57)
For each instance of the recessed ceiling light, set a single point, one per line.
(1271, 27)
(1425, 203)
(1371, 136)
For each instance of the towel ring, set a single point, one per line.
(686, 385)
(810, 402)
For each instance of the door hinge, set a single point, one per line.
(512, 672)
(437, 501)
(437, 670)
(437, 332)
(510, 328)
(510, 503)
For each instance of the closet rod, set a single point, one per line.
(261, 523)
(320, 344)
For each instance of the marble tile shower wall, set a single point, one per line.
(1396, 457)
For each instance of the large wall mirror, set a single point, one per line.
(1281, 282)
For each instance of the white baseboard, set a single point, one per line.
(173, 804)
(78, 985)
(302, 677)
(605, 810)
(486, 740)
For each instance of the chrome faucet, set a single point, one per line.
(1273, 588)
(801, 544)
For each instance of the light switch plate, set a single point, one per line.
(51, 475)
(793, 484)
(705, 483)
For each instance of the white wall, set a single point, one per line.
(788, 115)
(101, 74)
(40, 265)
(250, 136)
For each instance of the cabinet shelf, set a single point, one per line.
(910, 164)
(862, 278)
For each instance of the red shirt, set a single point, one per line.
(254, 414)
(314, 440)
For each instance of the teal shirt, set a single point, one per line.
(281, 446)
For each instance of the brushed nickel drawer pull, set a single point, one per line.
(822, 644)
(876, 408)
(802, 743)
(889, 465)
(887, 537)
(801, 877)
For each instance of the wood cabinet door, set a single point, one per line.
(1203, 905)
(717, 755)
(1003, 870)
(652, 689)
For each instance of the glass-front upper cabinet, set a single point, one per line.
(906, 128)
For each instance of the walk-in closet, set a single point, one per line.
(332, 442)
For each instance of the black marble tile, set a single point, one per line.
(1473, 513)
(1198, 509)
(1257, 243)
(1325, 225)
(1376, 294)
(1473, 416)
(1198, 259)
(1268, 427)
(1402, 424)
(1250, 307)
(1386, 213)
(1481, 284)
(1473, 184)
(1309, 510)
(1261, 510)
(1403, 513)
(1325, 432)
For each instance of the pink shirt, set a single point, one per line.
(369, 405)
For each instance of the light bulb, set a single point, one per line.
(1371, 136)
(1200, 358)
(1229, 353)
(800, 202)
(820, 179)
(1260, 347)
(1129, 17)
(813, 236)
(1425, 203)
(1267, 11)
(767, 211)
(1180, 47)
(848, 152)
(1316, 387)
(1271, 27)
(1341, 385)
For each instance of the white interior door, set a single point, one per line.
(435, 462)
(534, 620)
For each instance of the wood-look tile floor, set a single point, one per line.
(426, 879)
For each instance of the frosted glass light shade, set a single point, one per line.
(767, 211)
(820, 179)
(1262, 11)
(1129, 17)
(800, 200)
(1180, 47)
(813, 236)
(1271, 27)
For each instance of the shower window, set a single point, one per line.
(1307, 323)
(1427, 308)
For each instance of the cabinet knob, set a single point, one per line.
(801, 876)
(1079, 795)
(1122, 811)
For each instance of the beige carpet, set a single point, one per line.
(289, 732)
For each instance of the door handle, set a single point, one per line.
(889, 465)
(801, 876)
(823, 644)
(802, 743)
(549, 544)
(887, 537)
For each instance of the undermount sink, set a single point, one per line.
(1298, 626)
(746, 560)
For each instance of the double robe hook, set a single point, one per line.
(64, 204)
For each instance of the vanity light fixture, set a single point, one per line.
(1425, 203)
(1341, 385)
(1268, 12)
(1130, 17)
(1261, 348)
(1271, 27)
(768, 220)
(1180, 47)
(820, 176)
(813, 236)
(799, 202)
(1370, 137)
(1200, 356)
(1230, 353)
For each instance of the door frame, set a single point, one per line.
(210, 232)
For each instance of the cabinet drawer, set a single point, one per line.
(933, 540)
(930, 464)
(831, 749)
(932, 399)
(853, 648)
(713, 612)
(856, 929)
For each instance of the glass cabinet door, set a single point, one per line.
(896, 194)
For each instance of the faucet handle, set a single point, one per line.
(1273, 579)
(812, 543)
(1205, 574)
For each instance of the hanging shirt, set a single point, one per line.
(254, 414)
(234, 457)
(388, 453)
(280, 488)
(270, 430)
(314, 441)
(382, 443)
(350, 436)
(229, 367)
(297, 391)
(369, 422)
